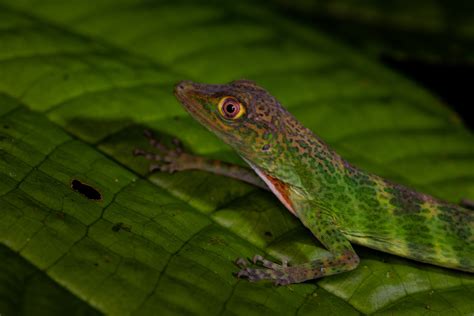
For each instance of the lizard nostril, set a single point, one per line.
(180, 88)
(183, 85)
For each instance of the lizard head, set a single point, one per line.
(242, 114)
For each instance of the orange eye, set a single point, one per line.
(230, 108)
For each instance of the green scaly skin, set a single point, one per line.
(337, 202)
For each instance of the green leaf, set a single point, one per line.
(27, 291)
(79, 83)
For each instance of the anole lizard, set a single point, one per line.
(337, 202)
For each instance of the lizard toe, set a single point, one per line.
(254, 274)
(241, 262)
(257, 259)
(279, 276)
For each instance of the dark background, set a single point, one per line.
(451, 82)
(430, 42)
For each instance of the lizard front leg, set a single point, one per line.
(176, 159)
(342, 257)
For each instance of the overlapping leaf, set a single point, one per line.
(433, 31)
(80, 82)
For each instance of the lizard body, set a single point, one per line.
(336, 201)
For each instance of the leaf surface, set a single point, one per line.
(79, 83)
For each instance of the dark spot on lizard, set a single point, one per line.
(5, 126)
(268, 234)
(86, 190)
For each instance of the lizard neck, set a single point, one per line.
(303, 161)
(302, 171)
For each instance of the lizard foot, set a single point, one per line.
(270, 271)
(166, 159)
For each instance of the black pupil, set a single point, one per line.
(230, 108)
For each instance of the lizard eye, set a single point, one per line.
(231, 108)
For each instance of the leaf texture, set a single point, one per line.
(78, 84)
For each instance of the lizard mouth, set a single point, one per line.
(185, 92)
(188, 94)
(182, 92)
(194, 96)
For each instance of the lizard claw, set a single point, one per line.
(256, 259)
(241, 262)
(252, 274)
(242, 273)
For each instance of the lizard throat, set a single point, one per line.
(279, 188)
